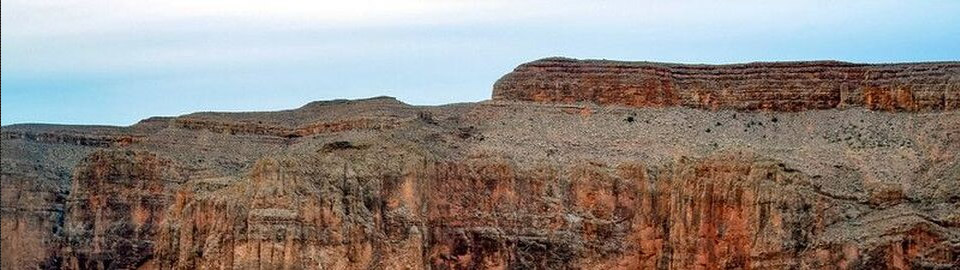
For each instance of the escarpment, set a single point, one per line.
(786, 86)
(572, 165)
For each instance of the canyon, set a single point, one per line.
(572, 164)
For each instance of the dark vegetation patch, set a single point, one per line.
(426, 117)
(785, 168)
(340, 145)
(469, 132)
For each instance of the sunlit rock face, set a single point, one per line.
(785, 86)
(572, 165)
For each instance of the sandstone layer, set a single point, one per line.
(784, 86)
(572, 165)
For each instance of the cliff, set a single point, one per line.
(572, 165)
(785, 86)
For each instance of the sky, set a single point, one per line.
(114, 62)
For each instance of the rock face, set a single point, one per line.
(117, 203)
(572, 165)
(795, 86)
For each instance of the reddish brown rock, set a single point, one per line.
(66, 138)
(32, 214)
(117, 203)
(308, 212)
(510, 184)
(279, 131)
(783, 86)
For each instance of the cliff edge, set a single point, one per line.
(776, 86)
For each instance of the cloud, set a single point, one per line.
(46, 18)
(117, 36)
(74, 17)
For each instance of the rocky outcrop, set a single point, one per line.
(76, 139)
(240, 128)
(699, 167)
(724, 212)
(117, 202)
(345, 211)
(786, 86)
(33, 201)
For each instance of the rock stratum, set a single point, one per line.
(572, 165)
(784, 86)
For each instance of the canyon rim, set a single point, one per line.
(572, 164)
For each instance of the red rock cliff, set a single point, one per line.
(784, 86)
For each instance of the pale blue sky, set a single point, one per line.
(116, 62)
